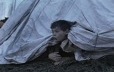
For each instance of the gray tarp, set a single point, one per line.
(7, 7)
(26, 33)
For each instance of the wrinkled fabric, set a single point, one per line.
(26, 33)
(81, 54)
(7, 7)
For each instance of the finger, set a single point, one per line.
(57, 55)
(56, 63)
(57, 58)
(54, 56)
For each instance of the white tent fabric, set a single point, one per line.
(26, 33)
(7, 7)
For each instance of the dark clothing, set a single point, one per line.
(57, 48)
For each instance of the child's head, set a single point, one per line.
(60, 29)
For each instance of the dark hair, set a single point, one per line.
(62, 24)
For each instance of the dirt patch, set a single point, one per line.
(45, 65)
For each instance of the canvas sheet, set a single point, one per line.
(26, 33)
(7, 7)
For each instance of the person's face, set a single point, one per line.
(59, 34)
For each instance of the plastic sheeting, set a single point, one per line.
(26, 33)
(7, 7)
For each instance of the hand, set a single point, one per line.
(52, 42)
(63, 59)
(55, 56)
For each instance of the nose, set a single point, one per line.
(54, 34)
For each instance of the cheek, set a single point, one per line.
(57, 36)
(60, 37)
